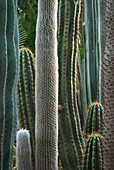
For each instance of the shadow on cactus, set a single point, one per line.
(26, 95)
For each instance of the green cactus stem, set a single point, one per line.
(94, 119)
(3, 72)
(26, 95)
(70, 135)
(23, 150)
(93, 43)
(9, 65)
(92, 158)
(46, 87)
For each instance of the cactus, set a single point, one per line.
(92, 158)
(9, 78)
(94, 119)
(70, 135)
(93, 43)
(26, 95)
(46, 87)
(23, 150)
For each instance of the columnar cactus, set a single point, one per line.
(46, 87)
(70, 136)
(94, 119)
(26, 95)
(92, 158)
(93, 43)
(9, 54)
(23, 150)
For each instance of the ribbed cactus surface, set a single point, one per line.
(94, 119)
(70, 135)
(23, 150)
(46, 87)
(92, 158)
(9, 62)
(26, 95)
(92, 45)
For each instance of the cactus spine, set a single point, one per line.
(23, 150)
(26, 95)
(70, 137)
(9, 69)
(94, 119)
(46, 86)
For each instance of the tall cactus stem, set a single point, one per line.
(46, 86)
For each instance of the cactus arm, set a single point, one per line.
(3, 72)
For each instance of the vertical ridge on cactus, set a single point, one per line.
(23, 150)
(46, 87)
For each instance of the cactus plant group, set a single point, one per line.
(78, 147)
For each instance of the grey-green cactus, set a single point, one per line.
(9, 62)
(26, 95)
(23, 150)
(70, 135)
(46, 87)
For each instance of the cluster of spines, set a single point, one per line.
(94, 119)
(92, 158)
(26, 94)
(70, 137)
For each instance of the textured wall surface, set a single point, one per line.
(108, 87)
